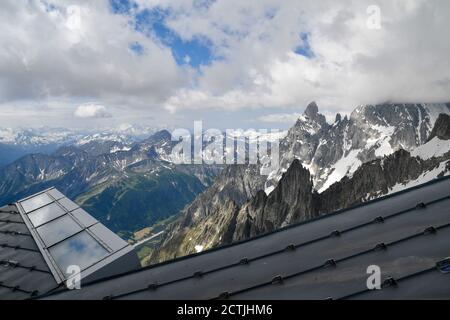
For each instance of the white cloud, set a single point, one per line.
(288, 118)
(47, 56)
(403, 61)
(92, 111)
(46, 53)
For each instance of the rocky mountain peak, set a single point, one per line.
(296, 181)
(312, 113)
(162, 135)
(312, 110)
(311, 121)
(441, 128)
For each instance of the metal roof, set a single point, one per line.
(23, 271)
(406, 234)
(48, 234)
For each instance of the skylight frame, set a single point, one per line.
(51, 242)
(56, 270)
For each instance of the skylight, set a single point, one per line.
(82, 248)
(69, 236)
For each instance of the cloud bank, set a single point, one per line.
(171, 58)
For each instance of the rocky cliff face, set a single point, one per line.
(441, 129)
(294, 198)
(211, 218)
(237, 183)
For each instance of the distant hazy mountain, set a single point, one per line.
(377, 150)
(15, 143)
(128, 186)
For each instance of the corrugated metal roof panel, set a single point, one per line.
(299, 249)
(23, 271)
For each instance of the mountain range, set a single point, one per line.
(127, 186)
(15, 143)
(127, 178)
(127, 182)
(377, 150)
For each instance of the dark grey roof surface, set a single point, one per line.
(323, 258)
(23, 271)
(427, 285)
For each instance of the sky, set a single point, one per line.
(230, 63)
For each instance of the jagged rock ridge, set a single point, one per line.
(331, 151)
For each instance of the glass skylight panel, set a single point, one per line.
(81, 250)
(36, 202)
(107, 236)
(58, 230)
(55, 194)
(85, 218)
(46, 214)
(66, 235)
(68, 204)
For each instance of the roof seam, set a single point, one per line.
(15, 233)
(14, 264)
(9, 212)
(11, 221)
(14, 288)
(18, 247)
(351, 295)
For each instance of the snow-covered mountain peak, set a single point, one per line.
(331, 152)
(433, 148)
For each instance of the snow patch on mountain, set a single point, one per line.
(384, 148)
(424, 178)
(345, 166)
(434, 148)
(118, 149)
(257, 135)
(198, 248)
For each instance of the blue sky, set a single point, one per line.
(304, 49)
(195, 52)
(152, 23)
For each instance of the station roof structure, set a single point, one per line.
(406, 235)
